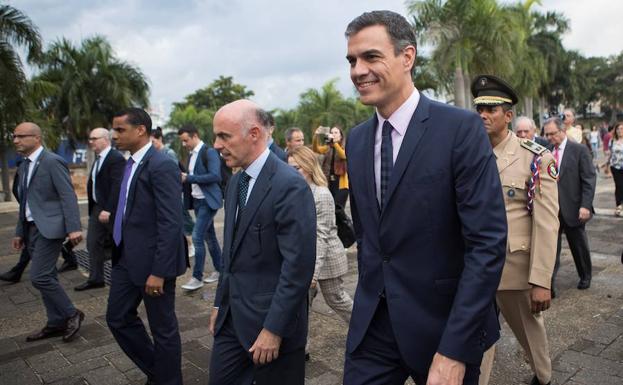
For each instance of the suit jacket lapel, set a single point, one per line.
(137, 173)
(416, 129)
(260, 190)
(369, 176)
(231, 202)
(36, 167)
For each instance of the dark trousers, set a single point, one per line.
(377, 360)
(340, 196)
(232, 364)
(44, 276)
(578, 244)
(161, 358)
(617, 175)
(99, 244)
(24, 260)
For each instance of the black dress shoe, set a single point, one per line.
(89, 285)
(584, 284)
(73, 325)
(66, 266)
(46, 332)
(535, 381)
(10, 276)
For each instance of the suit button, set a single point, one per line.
(386, 258)
(523, 247)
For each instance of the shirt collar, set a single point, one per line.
(401, 118)
(256, 166)
(140, 154)
(104, 152)
(33, 157)
(499, 149)
(563, 145)
(197, 147)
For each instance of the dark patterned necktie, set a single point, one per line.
(387, 159)
(24, 188)
(243, 189)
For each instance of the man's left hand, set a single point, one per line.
(265, 348)
(184, 176)
(154, 286)
(540, 299)
(75, 237)
(584, 215)
(104, 217)
(445, 371)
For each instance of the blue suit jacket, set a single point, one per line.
(152, 233)
(208, 178)
(269, 264)
(437, 248)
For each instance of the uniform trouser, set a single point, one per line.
(99, 243)
(335, 296)
(44, 276)
(528, 328)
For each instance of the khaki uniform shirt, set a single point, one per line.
(532, 239)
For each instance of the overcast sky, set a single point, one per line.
(277, 48)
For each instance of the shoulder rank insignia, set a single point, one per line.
(533, 146)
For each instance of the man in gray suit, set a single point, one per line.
(260, 317)
(48, 213)
(576, 189)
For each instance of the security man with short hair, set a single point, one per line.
(529, 182)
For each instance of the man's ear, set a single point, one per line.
(409, 55)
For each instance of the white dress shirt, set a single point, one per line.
(400, 121)
(96, 170)
(194, 154)
(254, 170)
(137, 157)
(34, 157)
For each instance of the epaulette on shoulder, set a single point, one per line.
(533, 147)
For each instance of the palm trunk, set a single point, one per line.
(528, 107)
(467, 81)
(541, 113)
(5, 172)
(459, 88)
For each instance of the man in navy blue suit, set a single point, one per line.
(149, 252)
(429, 216)
(269, 251)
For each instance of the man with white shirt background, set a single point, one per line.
(103, 191)
(203, 177)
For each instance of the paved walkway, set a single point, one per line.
(585, 327)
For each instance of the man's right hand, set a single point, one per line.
(212, 322)
(17, 243)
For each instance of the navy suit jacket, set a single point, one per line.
(269, 263)
(576, 182)
(278, 151)
(437, 248)
(152, 234)
(209, 178)
(107, 183)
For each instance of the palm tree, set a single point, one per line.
(469, 37)
(325, 107)
(92, 85)
(16, 30)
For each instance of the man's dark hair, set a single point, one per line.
(556, 120)
(291, 131)
(398, 28)
(136, 117)
(189, 129)
(264, 118)
(157, 133)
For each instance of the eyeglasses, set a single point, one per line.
(548, 134)
(94, 138)
(20, 137)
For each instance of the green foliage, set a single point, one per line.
(219, 93)
(92, 84)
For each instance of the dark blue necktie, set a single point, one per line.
(116, 232)
(243, 189)
(387, 159)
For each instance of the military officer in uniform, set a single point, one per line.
(529, 182)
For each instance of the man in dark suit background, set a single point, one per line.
(149, 252)
(48, 213)
(260, 317)
(205, 198)
(429, 216)
(272, 145)
(103, 192)
(525, 127)
(576, 190)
